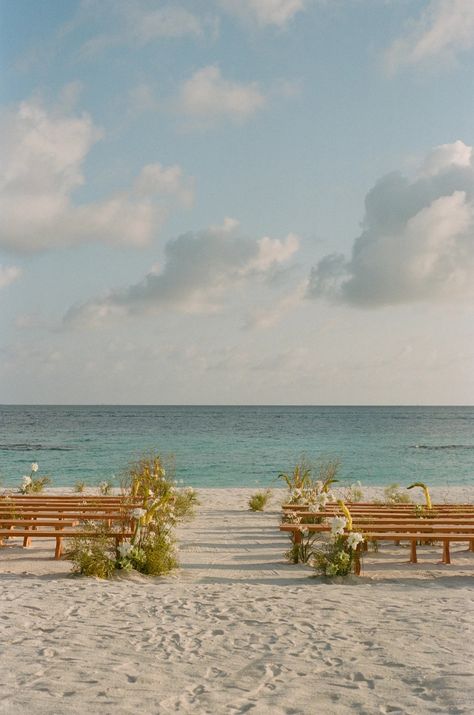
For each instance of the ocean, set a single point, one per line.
(237, 445)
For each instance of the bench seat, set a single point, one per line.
(59, 535)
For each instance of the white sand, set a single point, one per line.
(238, 630)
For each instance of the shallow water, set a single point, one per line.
(239, 446)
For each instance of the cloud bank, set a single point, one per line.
(418, 238)
(43, 155)
(445, 28)
(201, 269)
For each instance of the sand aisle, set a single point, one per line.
(237, 630)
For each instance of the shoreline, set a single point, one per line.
(440, 494)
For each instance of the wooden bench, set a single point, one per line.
(395, 535)
(333, 506)
(369, 518)
(60, 535)
(32, 525)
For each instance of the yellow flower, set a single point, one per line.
(346, 513)
(426, 492)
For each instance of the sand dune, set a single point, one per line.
(237, 629)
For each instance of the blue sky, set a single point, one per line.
(237, 201)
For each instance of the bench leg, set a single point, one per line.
(446, 553)
(297, 539)
(471, 545)
(59, 547)
(413, 557)
(357, 565)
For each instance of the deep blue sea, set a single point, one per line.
(239, 446)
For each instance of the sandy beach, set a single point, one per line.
(237, 629)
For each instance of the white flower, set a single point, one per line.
(124, 549)
(354, 539)
(338, 524)
(323, 499)
(138, 513)
(26, 480)
(34, 467)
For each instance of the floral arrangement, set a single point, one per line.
(31, 484)
(105, 487)
(333, 556)
(336, 556)
(310, 485)
(152, 546)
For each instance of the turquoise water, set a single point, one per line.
(239, 446)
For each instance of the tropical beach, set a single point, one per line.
(237, 628)
(236, 350)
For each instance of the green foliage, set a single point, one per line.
(79, 487)
(37, 485)
(334, 558)
(93, 555)
(394, 495)
(105, 488)
(300, 477)
(303, 551)
(259, 500)
(156, 557)
(185, 503)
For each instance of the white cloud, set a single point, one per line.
(207, 96)
(44, 152)
(264, 12)
(445, 28)
(418, 238)
(8, 274)
(201, 270)
(135, 24)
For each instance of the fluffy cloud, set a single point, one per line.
(43, 154)
(8, 274)
(444, 28)
(418, 238)
(264, 12)
(200, 270)
(207, 96)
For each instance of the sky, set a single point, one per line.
(237, 202)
